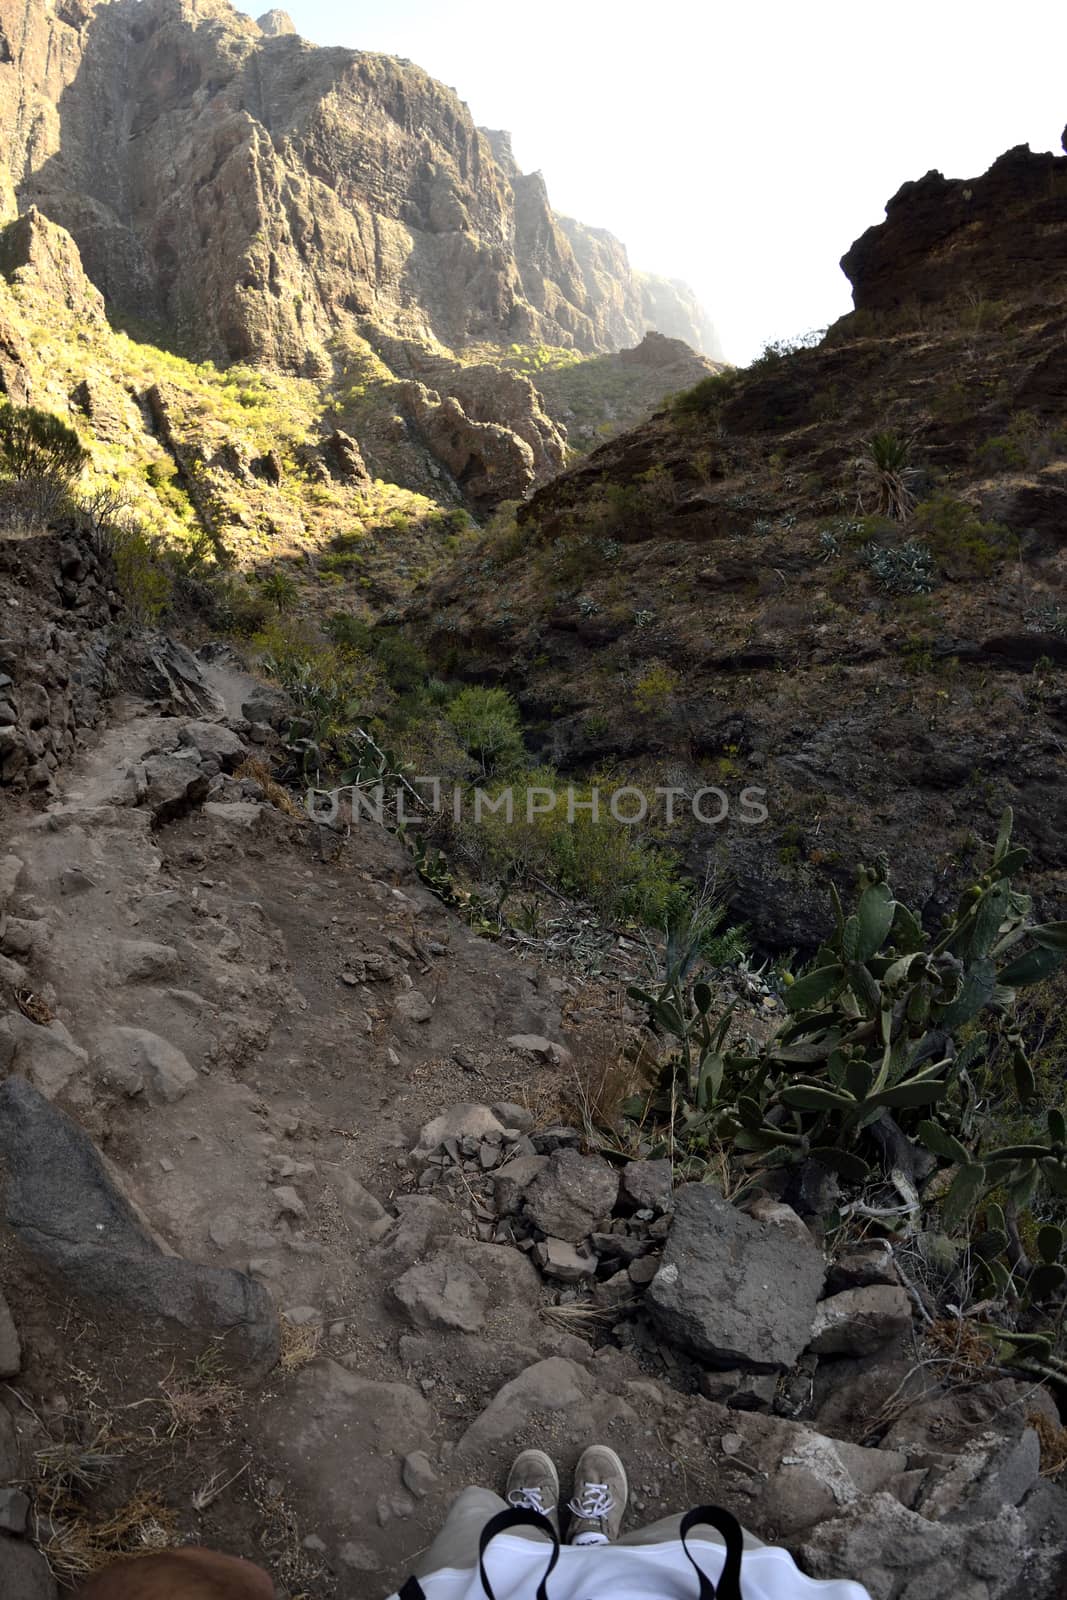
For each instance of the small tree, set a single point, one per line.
(42, 455)
(37, 444)
(487, 725)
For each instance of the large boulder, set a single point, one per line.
(734, 1291)
(65, 1209)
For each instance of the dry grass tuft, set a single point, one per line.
(300, 1344)
(604, 1075)
(1053, 1444)
(206, 1395)
(74, 1543)
(585, 1321)
(968, 1355)
(77, 1547)
(259, 772)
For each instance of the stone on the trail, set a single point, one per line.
(734, 1291)
(860, 1268)
(364, 1214)
(342, 1437)
(418, 1474)
(511, 1182)
(266, 705)
(14, 1511)
(136, 959)
(564, 1262)
(10, 1348)
(533, 1044)
(647, 1185)
(549, 1140)
(513, 1115)
(569, 1196)
(9, 1447)
(247, 814)
(553, 1397)
(421, 1222)
(137, 1061)
(289, 1202)
(22, 936)
(643, 1270)
(173, 786)
(359, 1557)
(10, 872)
(24, 1575)
(159, 668)
(458, 1122)
(902, 1555)
(46, 1055)
(213, 741)
(442, 1293)
(303, 1316)
(858, 1322)
(65, 1209)
(412, 1006)
(739, 1390)
(781, 1216)
(614, 1291)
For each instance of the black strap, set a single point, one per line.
(518, 1519)
(412, 1590)
(729, 1585)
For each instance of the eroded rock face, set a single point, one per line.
(256, 192)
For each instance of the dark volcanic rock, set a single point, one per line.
(944, 235)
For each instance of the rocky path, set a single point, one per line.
(253, 1036)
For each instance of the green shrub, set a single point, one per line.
(145, 574)
(965, 546)
(486, 722)
(706, 396)
(614, 868)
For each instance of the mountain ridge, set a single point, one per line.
(254, 194)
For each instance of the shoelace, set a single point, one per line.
(530, 1498)
(595, 1501)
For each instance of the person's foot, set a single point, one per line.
(533, 1485)
(600, 1495)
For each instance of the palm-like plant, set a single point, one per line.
(884, 476)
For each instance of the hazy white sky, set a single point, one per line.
(742, 146)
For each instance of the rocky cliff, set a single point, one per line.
(1002, 236)
(252, 194)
